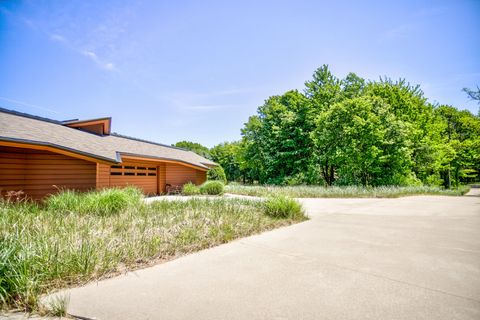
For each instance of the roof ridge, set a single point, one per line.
(28, 115)
(115, 134)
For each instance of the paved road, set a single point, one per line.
(407, 258)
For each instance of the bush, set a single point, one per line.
(189, 189)
(212, 187)
(103, 202)
(217, 174)
(280, 206)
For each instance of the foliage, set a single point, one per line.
(43, 248)
(103, 202)
(342, 191)
(351, 131)
(195, 147)
(473, 94)
(230, 156)
(212, 187)
(190, 189)
(280, 206)
(278, 140)
(365, 142)
(217, 173)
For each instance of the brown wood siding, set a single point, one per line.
(143, 178)
(39, 173)
(178, 175)
(201, 177)
(162, 177)
(103, 176)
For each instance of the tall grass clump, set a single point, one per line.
(212, 187)
(74, 238)
(103, 202)
(190, 189)
(342, 191)
(280, 206)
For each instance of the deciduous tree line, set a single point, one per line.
(354, 132)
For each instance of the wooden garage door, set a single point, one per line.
(140, 175)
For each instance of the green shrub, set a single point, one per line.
(189, 189)
(212, 187)
(217, 174)
(64, 201)
(103, 202)
(280, 206)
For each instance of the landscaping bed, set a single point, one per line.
(341, 192)
(75, 238)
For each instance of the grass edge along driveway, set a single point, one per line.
(75, 238)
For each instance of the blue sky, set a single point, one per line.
(196, 70)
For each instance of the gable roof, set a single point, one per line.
(25, 128)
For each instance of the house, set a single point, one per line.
(40, 156)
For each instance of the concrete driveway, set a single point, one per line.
(407, 258)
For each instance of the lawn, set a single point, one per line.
(75, 238)
(341, 192)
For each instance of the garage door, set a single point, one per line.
(134, 174)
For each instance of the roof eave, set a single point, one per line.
(127, 154)
(60, 147)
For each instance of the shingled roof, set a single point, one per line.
(25, 128)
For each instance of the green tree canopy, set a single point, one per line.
(195, 147)
(353, 131)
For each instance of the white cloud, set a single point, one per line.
(94, 57)
(57, 38)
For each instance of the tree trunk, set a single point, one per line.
(449, 184)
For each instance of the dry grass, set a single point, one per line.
(74, 238)
(341, 192)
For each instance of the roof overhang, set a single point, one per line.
(120, 156)
(104, 124)
(129, 156)
(41, 145)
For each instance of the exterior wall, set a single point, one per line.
(140, 174)
(166, 173)
(103, 176)
(201, 176)
(162, 178)
(40, 173)
(178, 175)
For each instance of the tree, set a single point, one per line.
(473, 94)
(461, 138)
(365, 141)
(351, 131)
(195, 147)
(408, 103)
(217, 173)
(278, 138)
(323, 91)
(230, 156)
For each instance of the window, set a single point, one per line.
(141, 171)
